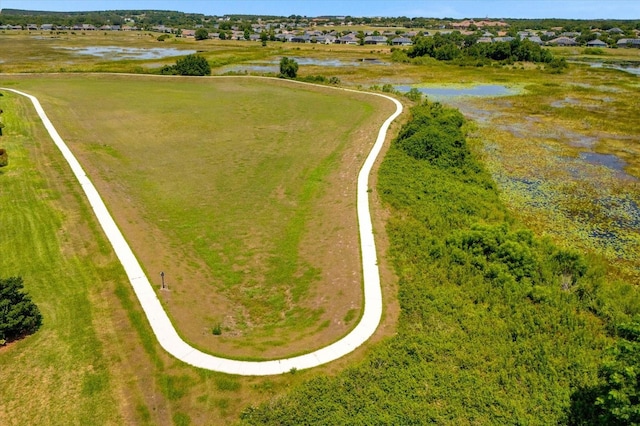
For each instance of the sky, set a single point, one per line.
(458, 9)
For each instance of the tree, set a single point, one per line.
(616, 401)
(189, 65)
(288, 68)
(202, 34)
(18, 314)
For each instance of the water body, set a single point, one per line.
(116, 53)
(632, 69)
(273, 66)
(608, 160)
(485, 90)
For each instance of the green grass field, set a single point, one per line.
(94, 337)
(231, 188)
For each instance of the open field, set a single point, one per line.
(563, 151)
(152, 387)
(241, 191)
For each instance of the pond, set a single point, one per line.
(632, 69)
(273, 66)
(607, 160)
(443, 92)
(116, 53)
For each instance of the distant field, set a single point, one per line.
(241, 191)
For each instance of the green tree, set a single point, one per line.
(616, 401)
(288, 68)
(202, 34)
(18, 314)
(192, 65)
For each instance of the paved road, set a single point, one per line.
(158, 319)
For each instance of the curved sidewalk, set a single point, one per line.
(158, 319)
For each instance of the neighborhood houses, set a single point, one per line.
(331, 30)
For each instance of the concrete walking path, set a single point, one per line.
(158, 319)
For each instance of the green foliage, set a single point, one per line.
(616, 400)
(191, 65)
(163, 37)
(4, 157)
(217, 330)
(485, 306)
(557, 66)
(288, 68)
(414, 95)
(435, 135)
(202, 34)
(318, 79)
(448, 47)
(18, 314)
(593, 51)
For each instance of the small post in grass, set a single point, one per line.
(162, 276)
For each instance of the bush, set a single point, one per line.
(288, 68)
(202, 34)
(4, 158)
(192, 65)
(163, 37)
(18, 314)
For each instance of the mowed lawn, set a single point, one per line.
(241, 190)
(76, 369)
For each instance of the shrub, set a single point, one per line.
(217, 330)
(192, 65)
(202, 34)
(18, 314)
(288, 68)
(4, 158)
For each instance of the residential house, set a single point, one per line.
(284, 37)
(563, 41)
(401, 41)
(326, 39)
(162, 29)
(304, 38)
(596, 43)
(349, 39)
(46, 27)
(32, 27)
(377, 40)
(534, 39)
(629, 42)
(189, 33)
